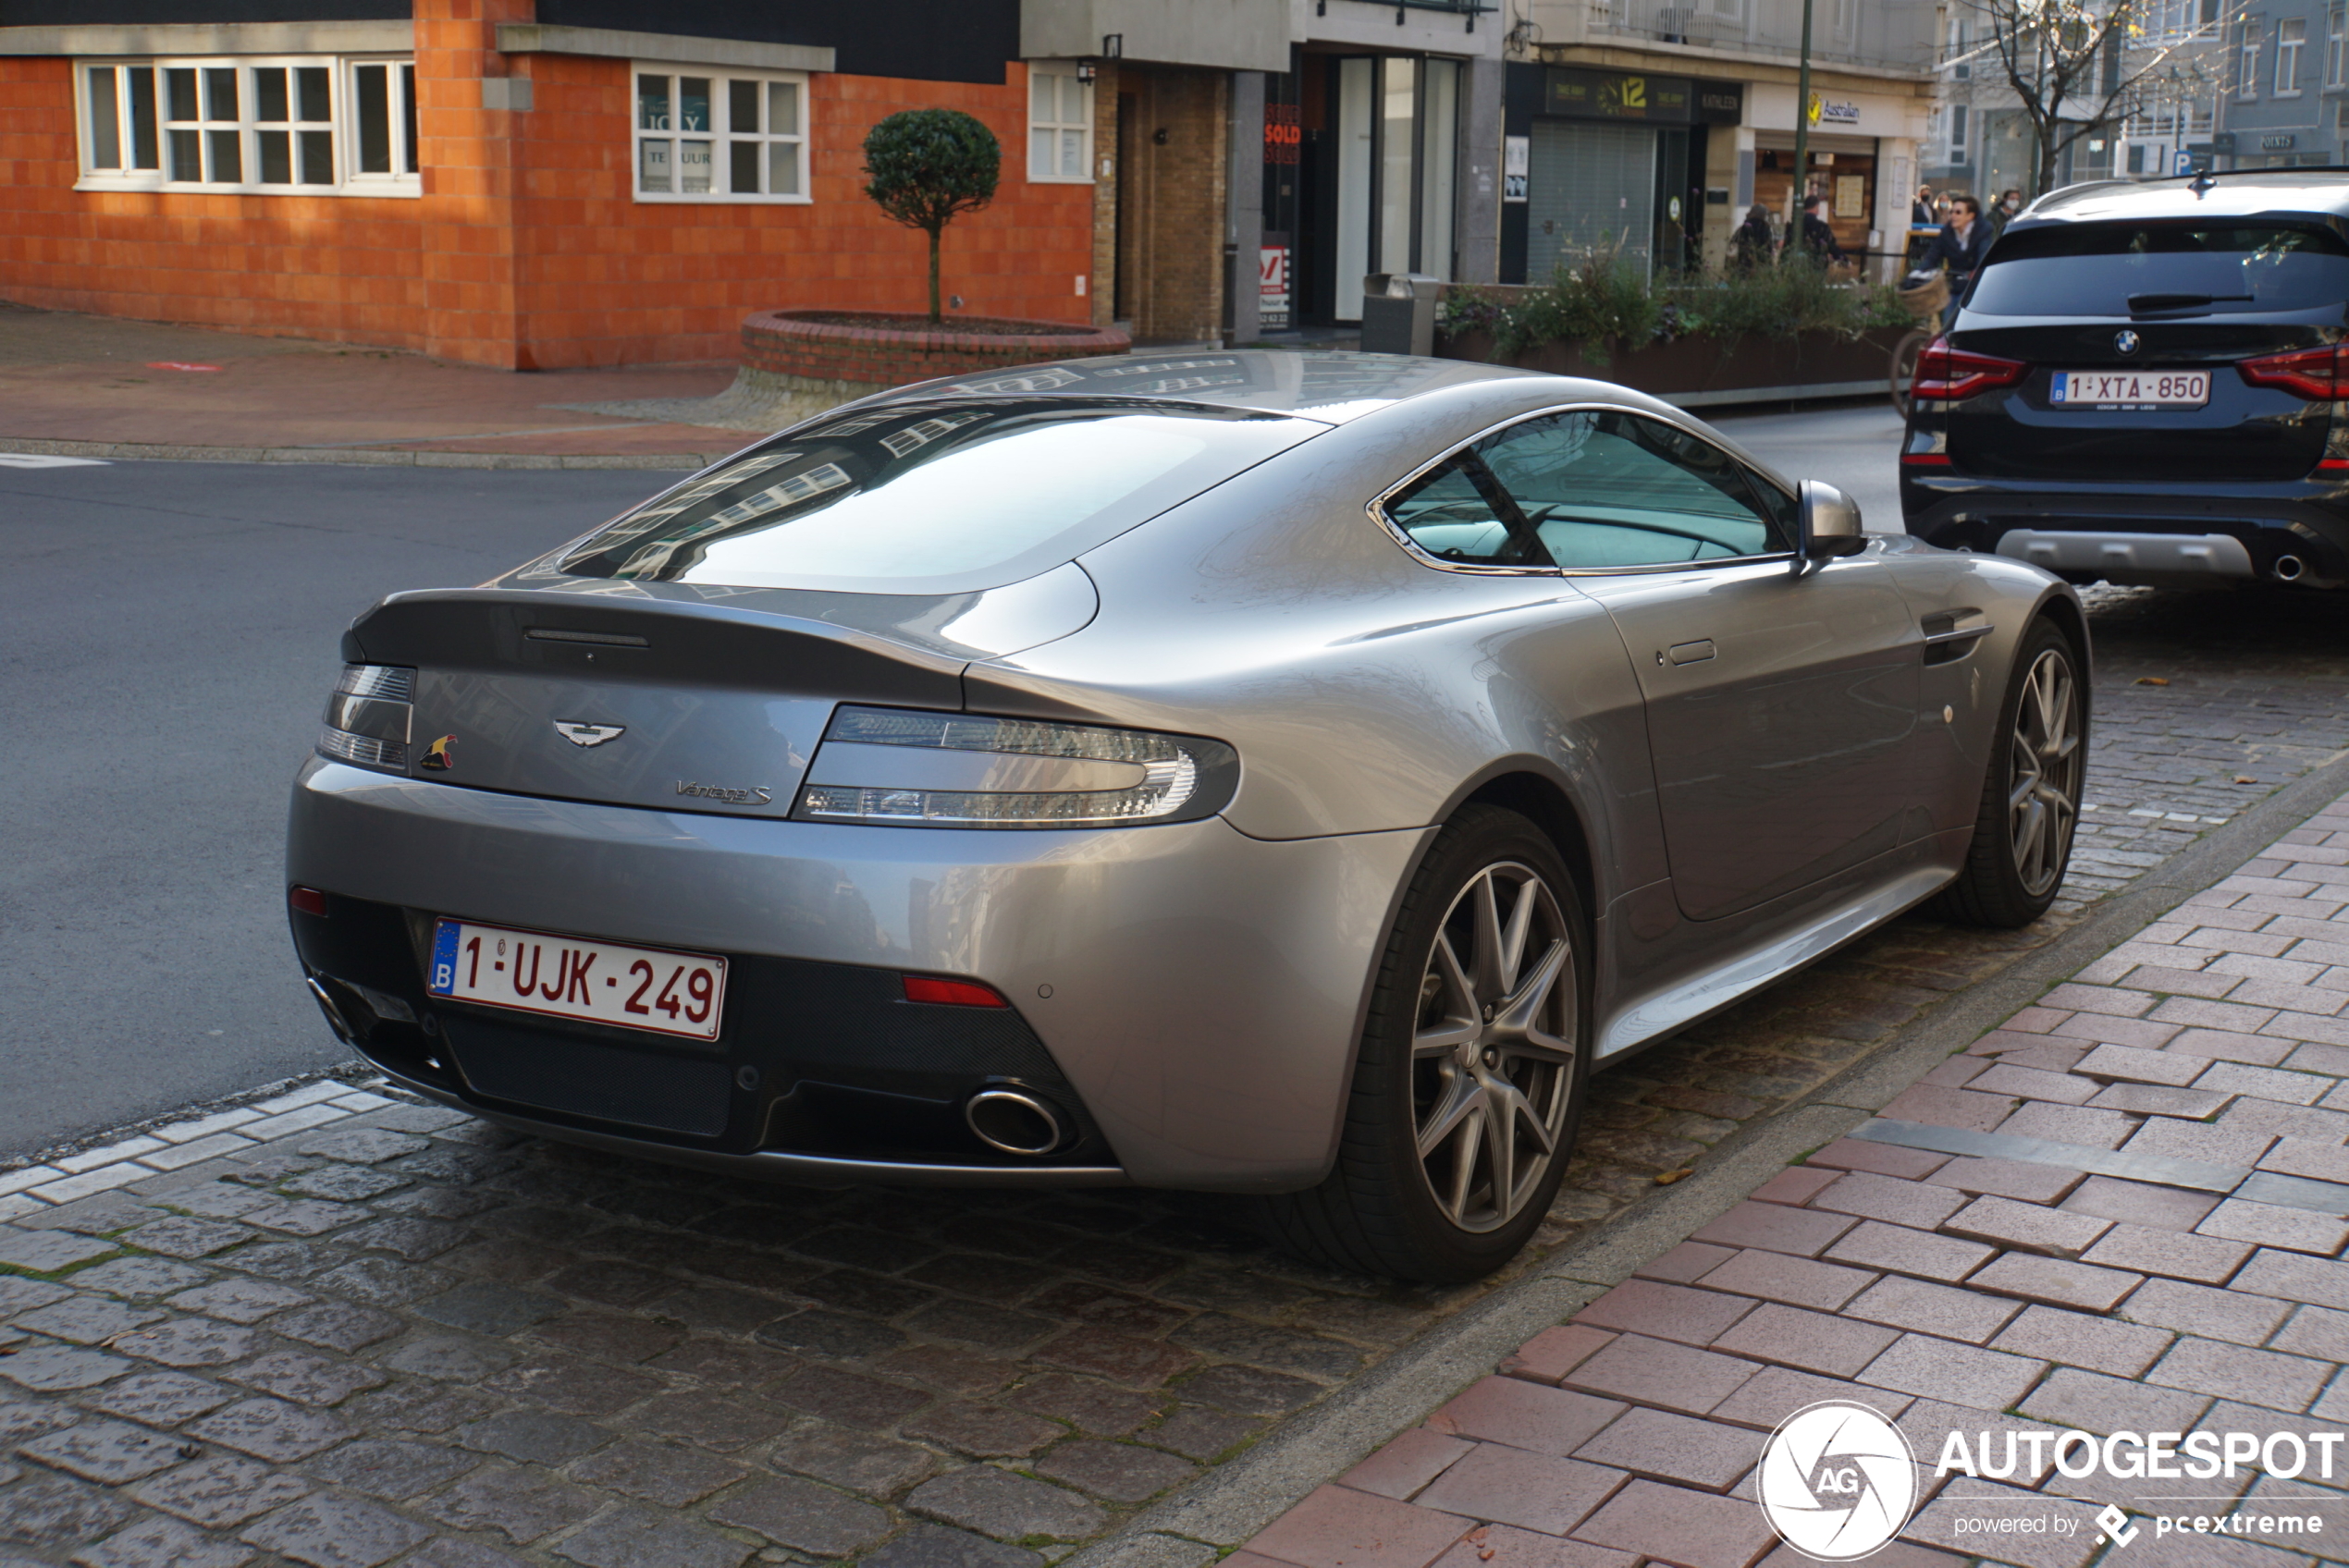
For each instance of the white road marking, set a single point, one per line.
(41, 460)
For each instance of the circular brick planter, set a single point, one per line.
(807, 366)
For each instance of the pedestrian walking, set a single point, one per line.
(1818, 239)
(1753, 244)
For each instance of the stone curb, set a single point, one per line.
(134, 451)
(1228, 1505)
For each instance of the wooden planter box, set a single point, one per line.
(1697, 371)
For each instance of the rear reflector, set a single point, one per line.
(953, 993)
(1924, 460)
(2332, 465)
(307, 901)
(2317, 374)
(1948, 374)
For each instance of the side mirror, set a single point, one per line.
(1830, 524)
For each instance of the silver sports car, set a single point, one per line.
(1280, 774)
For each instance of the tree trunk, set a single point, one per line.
(933, 278)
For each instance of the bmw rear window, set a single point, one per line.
(937, 498)
(2121, 269)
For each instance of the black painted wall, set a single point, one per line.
(926, 40)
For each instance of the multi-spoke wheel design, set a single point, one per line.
(1492, 1050)
(1469, 1083)
(2022, 842)
(2043, 773)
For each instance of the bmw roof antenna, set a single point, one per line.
(2203, 180)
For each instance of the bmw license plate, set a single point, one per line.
(2131, 388)
(650, 988)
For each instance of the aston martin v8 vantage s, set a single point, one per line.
(1278, 774)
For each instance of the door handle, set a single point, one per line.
(1692, 653)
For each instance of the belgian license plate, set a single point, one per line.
(650, 988)
(2132, 388)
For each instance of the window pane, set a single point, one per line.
(276, 156)
(652, 104)
(1611, 489)
(652, 166)
(1040, 153)
(1072, 154)
(692, 167)
(228, 157)
(316, 101)
(408, 116)
(181, 84)
(269, 100)
(186, 159)
(105, 121)
(1450, 513)
(742, 107)
(374, 119)
(143, 118)
(744, 180)
(693, 102)
(1072, 101)
(318, 157)
(782, 108)
(783, 169)
(220, 92)
(1043, 89)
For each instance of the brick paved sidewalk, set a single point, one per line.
(98, 387)
(2122, 1211)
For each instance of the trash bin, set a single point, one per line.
(1399, 312)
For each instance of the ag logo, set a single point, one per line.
(1837, 1481)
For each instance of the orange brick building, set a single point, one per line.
(531, 184)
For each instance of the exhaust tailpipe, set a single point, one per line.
(334, 1019)
(2289, 569)
(1013, 1122)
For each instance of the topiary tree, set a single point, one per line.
(924, 166)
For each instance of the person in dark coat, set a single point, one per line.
(1818, 239)
(1960, 245)
(1921, 210)
(1752, 246)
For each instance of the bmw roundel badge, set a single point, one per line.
(2125, 341)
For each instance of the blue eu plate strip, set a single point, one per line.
(442, 981)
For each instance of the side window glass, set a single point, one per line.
(1605, 488)
(1456, 513)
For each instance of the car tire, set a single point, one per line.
(2023, 835)
(1469, 1084)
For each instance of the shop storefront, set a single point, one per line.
(1603, 162)
(1862, 152)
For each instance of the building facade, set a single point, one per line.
(2281, 87)
(1652, 126)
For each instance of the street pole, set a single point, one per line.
(1801, 141)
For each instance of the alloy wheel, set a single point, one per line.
(1493, 1051)
(2043, 779)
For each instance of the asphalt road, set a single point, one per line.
(1850, 447)
(170, 642)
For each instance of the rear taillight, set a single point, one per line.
(367, 717)
(1948, 374)
(952, 993)
(2318, 375)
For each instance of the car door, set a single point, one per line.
(1781, 705)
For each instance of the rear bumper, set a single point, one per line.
(1194, 994)
(2263, 532)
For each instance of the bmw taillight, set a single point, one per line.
(2318, 374)
(1950, 374)
(367, 717)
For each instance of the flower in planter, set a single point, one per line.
(926, 166)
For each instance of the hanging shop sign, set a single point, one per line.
(1630, 95)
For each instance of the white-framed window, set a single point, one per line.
(719, 136)
(2248, 85)
(1060, 124)
(2292, 36)
(1958, 128)
(1845, 17)
(2336, 44)
(294, 125)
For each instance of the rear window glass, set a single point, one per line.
(934, 497)
(2137, 269)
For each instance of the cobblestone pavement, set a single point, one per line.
(408, 1333)
(2122, 1211)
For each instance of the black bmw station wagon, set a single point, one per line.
(2148, 383)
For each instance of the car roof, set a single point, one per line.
(2305, 192)
(1332, 386)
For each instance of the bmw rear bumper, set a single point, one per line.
(2172, 535)
(1192, 994)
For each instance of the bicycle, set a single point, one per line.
(1926, 300)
